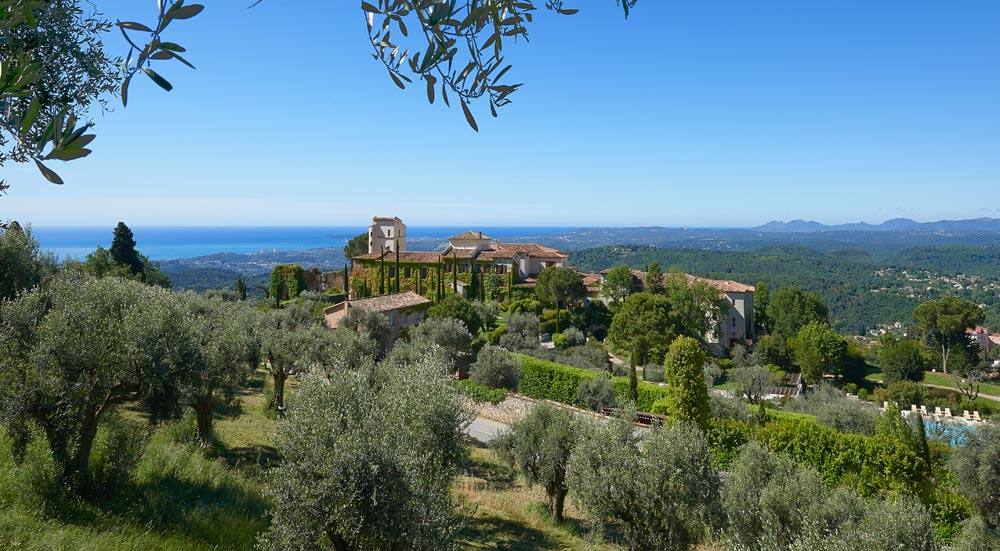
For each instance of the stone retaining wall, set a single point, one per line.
(516, 406)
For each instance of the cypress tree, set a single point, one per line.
(454, 273)
(123, 249)
(381, 274)
(347, 284)
(241, 288)
(633, 379)
(440, 280)
(399, 273)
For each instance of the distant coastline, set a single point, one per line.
(172, 243)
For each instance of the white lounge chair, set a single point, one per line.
(885, 406)
(966, 415)
(923, 410)
(947, 412)
(913, 408)
(937, 411)
(975, 416)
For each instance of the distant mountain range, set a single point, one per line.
(894, 225)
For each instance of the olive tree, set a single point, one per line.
(75, 351)
(448, 333)
(774, 503)
(56, 68)
(228, 351)
(540, 445)
(369, 462)
(975, 466)
(23, 266)
(496, 368)
(521, 332)
(663, 490)
(55, 65)
(286, 348)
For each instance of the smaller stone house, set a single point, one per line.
(404, 310)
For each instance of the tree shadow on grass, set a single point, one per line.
(497, 477)
(263, 457)
(486, 531)
(221, 514)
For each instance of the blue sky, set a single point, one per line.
(687, 114)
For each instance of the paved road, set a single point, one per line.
(983, 396)
(484, 430)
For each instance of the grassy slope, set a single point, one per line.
(186, 499)
(941, 379)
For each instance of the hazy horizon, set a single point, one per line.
(684, 115)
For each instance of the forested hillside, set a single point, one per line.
(861, 290)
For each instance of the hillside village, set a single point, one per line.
(470, 356)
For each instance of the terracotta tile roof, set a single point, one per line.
(470, 235)
(386, 303)
(464, 254)
(494, 254)
(590, 279)
(722, 285)
(531, 249)
(404, 256)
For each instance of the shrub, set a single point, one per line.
(974, 465)
(117, 450)
(863, 394)
(869, 465)
(596, 393)
(560, 340)
(525, 306)
(723, 406)
(591, 356)
(574, 337)
(553, 381)
(653, 373)
(905, 393)
(726, 437)
(663, 490)
(660, 407)
(32, 482)
(495, 368)
(521, 332)
(481, 393)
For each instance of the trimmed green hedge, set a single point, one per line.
(870, 465)
(547, 380)
(481, 393)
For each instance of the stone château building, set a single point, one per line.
(472, 263)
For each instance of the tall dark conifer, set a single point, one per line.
(123, 249)
(399, 273)
(381, 274)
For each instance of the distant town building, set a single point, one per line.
(982, 337)
(738, 325)
(403, 309)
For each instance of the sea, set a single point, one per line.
(169, 243)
